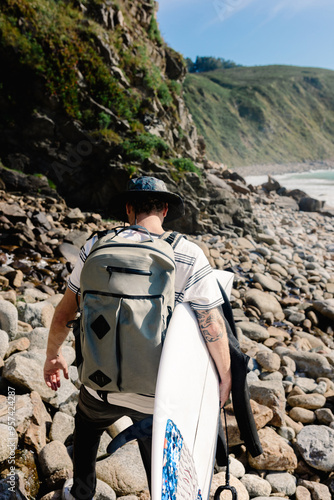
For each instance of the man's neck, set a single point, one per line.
(150, 222)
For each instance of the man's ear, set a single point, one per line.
(128, 208)
(165, 210)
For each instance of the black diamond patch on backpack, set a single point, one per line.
(100, 326)
(100, 378)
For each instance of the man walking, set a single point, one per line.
(147, 203)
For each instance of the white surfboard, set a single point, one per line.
(186, 412)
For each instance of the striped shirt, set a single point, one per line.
(195, 283)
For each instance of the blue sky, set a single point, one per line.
(252, 32)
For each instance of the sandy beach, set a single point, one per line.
(284, 168)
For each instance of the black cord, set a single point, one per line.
(228, 460)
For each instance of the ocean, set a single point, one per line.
(317, 184)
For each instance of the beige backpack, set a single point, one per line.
(127, 298)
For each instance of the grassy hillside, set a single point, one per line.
(264, 114)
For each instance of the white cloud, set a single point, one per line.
(227, 8)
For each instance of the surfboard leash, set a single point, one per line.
(227, 485)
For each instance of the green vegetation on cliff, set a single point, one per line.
(100, 69)
(264, 114)
(71, 54)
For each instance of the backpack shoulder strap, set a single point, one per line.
(98, 234)
(173, 238)
(104, 232)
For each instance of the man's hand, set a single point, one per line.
(225, 389)
(55, 362)
(52, 369)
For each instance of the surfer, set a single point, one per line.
(148, 203)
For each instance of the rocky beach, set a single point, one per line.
(283, 305)
(92, 95)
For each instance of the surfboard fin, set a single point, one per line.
(139, 430)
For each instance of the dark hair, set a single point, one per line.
(147, 206)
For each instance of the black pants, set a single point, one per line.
(93, 417)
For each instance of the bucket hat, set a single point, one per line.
(142, 188)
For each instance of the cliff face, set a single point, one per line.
(90, 95)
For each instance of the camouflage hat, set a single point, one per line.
(142, 188)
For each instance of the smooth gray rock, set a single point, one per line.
(255, 485)
(287, 433)
(295, 317)
(311, 363)
(26, 370)
(282, 482)
(267, 282)
(32, 295)
(69, 252)
(8, 318)
(4, 343)
(220, 478)
(319, 491)
(316, 445)
(324, 416)
(271, 394)
(265, 302)
(269, 361)
(266, 376)
(306, 384)
(62, 427)
(38, 338)
(267, 498)
(253, 331)
(237, 469)
(55, 464)
(37, 314)
(124, 471)
(325, 307)
(104, 491)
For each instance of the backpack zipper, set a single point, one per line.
(107, 245)
(127, 270)
(122, 296)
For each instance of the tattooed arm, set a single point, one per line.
(213, 329)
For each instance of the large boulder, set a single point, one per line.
(316, 445)
(55, 464)
(220, 478)
(277, 454)
(308, 204)
(25, 370)
(312, 364)
(271, 394)
(265, 302)
(8, 318)
(124, 471)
